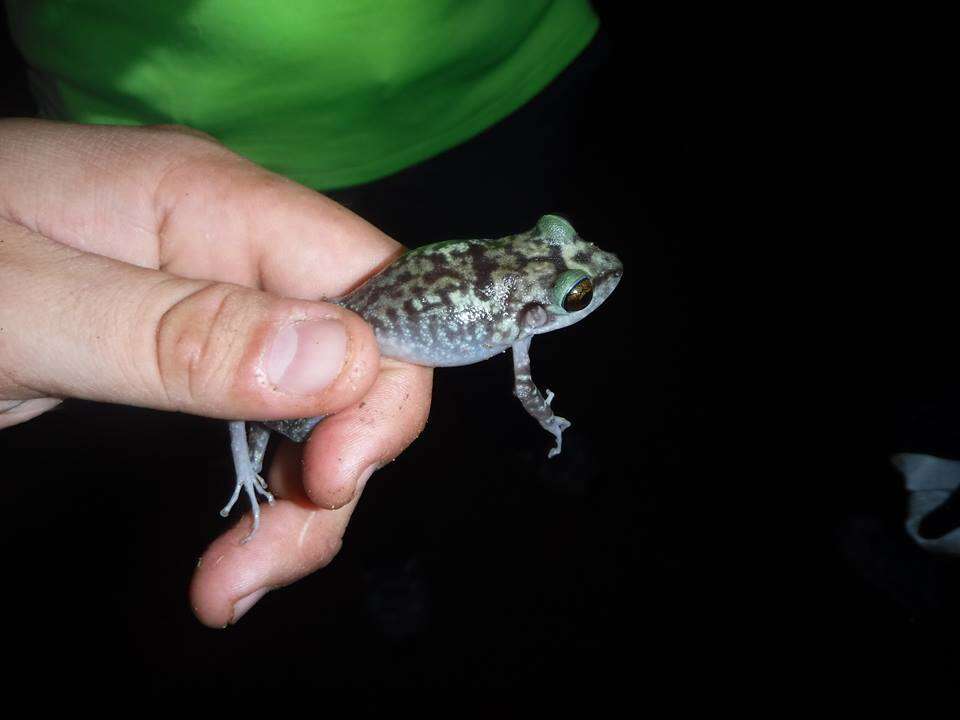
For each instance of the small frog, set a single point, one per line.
(459, 302)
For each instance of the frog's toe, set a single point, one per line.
(248, 478)
(233, 499)
(557, 426)
(262, 489)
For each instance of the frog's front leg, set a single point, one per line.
(533, 402)
(248, 451)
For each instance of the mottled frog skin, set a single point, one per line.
(459, 302)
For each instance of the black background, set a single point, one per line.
(702, 522)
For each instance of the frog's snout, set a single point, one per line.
(607, 279)
(612, 269)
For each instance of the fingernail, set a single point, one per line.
(306, 356)
(241, 606)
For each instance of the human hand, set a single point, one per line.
(153, 267)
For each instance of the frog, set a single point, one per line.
(460, 302)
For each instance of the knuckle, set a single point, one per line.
(201, 341)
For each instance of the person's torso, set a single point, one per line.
(328, 92)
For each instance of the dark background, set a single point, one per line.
(702, 522)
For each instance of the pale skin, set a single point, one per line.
(153, 267)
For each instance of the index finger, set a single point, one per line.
(226, 216)
(179, 201)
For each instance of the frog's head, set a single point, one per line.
(569, 277)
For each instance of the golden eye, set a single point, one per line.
(573, 291)
(579, 296)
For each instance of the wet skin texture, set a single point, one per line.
(459, 302)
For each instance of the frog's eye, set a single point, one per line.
(573, 291)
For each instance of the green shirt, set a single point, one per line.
(328, 92)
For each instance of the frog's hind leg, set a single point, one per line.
(248, 452)
(533, 402)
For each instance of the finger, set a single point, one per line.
(92, 187)
(263, 230)
(346, 448)
(173, 199)
(81, 325)
(295, 539)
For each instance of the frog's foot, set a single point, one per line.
(533, 402)
(260, 487)
(556, 425)
(247, 466)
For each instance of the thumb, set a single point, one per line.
(74, 324)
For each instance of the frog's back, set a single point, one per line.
(436, 305)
